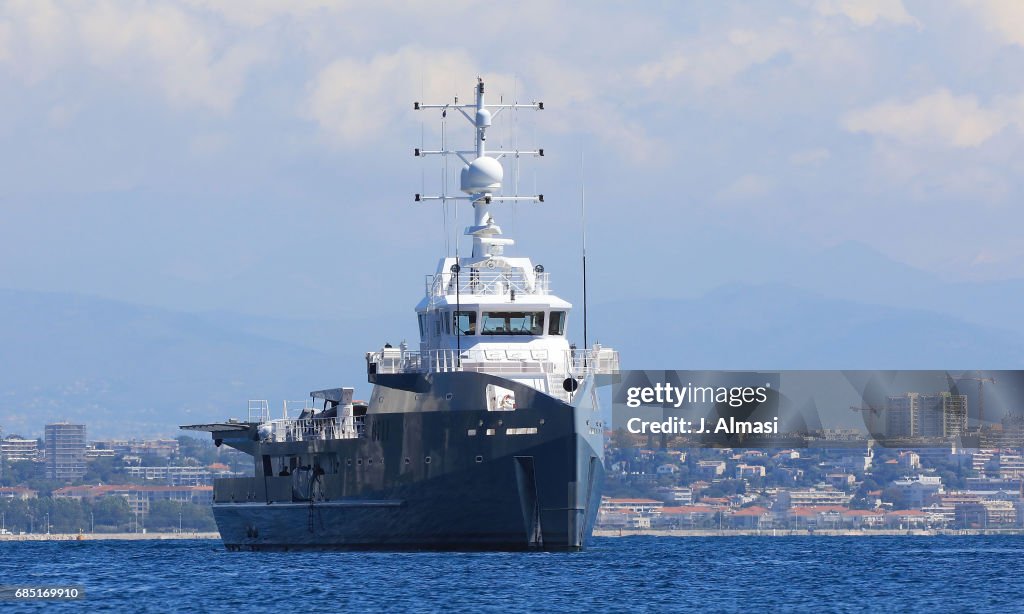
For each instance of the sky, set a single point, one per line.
(256, 156)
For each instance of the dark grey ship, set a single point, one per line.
(489, 436)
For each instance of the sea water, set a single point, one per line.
(840, 574)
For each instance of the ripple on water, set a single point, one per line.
(907, 574)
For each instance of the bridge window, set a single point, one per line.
(465, 321)
(423, 325)
(512, 323)
(557, 324)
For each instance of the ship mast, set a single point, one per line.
(482, 175)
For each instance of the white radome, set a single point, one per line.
(482, 175)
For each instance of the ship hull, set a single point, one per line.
(478, 509)
(451, 478)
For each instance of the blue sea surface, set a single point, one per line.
(713, 574)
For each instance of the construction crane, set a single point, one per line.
(981, 392)
(873, 410)
(869, 421)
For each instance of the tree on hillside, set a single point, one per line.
(21, 472)
(200, 449)
(101, 471)
(165, 516)
(111, 514)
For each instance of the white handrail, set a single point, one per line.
(487, 283)
(314, 429)
(576, 362)
(259, 411)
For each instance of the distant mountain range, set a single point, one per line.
(855, 272)
(129, 370)
(126, 369)
(780, 327)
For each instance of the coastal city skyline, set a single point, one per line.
(839, 481)
(69, 483)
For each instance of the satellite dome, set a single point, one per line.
(482, 175)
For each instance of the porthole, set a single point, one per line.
(359, 461)
(407, 461)
(348, 462)
(479, 458)
(369, 461)
(448, 397)
(427, 460)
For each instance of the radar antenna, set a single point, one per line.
(483, 173)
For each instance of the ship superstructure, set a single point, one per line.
(489, 435)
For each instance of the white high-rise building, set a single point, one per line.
(65, 447)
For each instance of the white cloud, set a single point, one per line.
(805, 45)
(254, 13)
(940, 118)
(716, 58)
(941, 148)
(38, 37)
(157, 44)
(745, 188)
(867, 12)
(169, 47)
(359, 100)
(1004, 17)
(354, 100)
(584, 100)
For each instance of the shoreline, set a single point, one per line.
(800, 532)
(213, 535)
(72, 537)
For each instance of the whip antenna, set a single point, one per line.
(583, 216)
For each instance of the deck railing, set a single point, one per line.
(259, 411)
(316, 429)
(485, 282)
(303, 427)
(597, 360)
